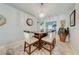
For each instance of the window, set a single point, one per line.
(51, 26)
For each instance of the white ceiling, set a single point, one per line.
(50, 9)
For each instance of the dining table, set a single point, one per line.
(40, 35)
(42, 40)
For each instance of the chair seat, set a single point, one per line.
(47, 39)
(28, 45)
(31, 40)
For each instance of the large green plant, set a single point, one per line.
(61, 31)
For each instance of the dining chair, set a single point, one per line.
(30, 40)
(50, 41)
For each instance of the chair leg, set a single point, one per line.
(54, 43)
(29, 49)
(50, 49)
(24, 46)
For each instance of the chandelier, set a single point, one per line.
(41, 15)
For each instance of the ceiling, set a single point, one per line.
(49, 9)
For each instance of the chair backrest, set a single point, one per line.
(28, 35)
(51, 35)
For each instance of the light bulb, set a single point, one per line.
(41, 15)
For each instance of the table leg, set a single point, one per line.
(39, 45)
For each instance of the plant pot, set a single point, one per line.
(62, 37)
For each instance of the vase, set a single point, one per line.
(62, 37)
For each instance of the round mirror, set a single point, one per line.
(29, 22)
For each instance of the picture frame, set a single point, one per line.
(2, 20)
(72, 18)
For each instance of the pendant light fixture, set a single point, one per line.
(41, 15)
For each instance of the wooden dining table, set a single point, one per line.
(40, 35)
(42, 40)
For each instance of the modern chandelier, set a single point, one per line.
(41, 15)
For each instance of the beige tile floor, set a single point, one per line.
(60, 49)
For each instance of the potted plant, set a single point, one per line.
(62, 34)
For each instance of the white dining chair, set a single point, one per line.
(30, 40)
(50, 41)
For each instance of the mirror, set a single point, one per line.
(29, 21)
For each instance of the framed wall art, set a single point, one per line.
(72, 18)
(2, 20)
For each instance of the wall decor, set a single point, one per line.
(72, 18)
(2, 20)
(29, 21)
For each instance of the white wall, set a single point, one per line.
(74, 31)
(13, 29)
(34, 27)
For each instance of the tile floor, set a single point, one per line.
(60, 49)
